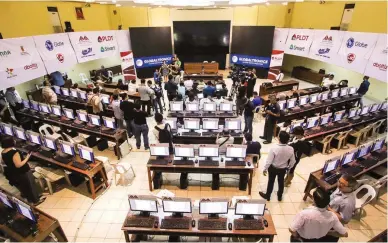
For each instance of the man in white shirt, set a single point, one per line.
(223, 139)
(188, 84)
(13, 98)
(205, 99)
(315, 223)
(132, 87)
(327, 82)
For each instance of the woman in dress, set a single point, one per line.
(165, 70)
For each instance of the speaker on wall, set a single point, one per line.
(68, 27)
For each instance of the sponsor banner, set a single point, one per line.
(19, 61)
(250, 61)
(299, 42)
(94, 45)
(277, 58)
(325, 45)
(377, 64)
(123, 40)
(128, 65)
(56, 51)
(152, 61)
(280, 38)
(355, 50)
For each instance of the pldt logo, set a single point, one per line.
(105, 38)
(300, 37)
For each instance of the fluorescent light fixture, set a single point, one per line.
(118, 5)
(285, 3)
(299, 1)
(245, 2)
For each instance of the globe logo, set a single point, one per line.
(350, 42)
(139, 62)
(234, 58)
(49, 45)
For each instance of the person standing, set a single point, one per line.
(156, 76)
(95, 101)
(13, 98)
(248, 115)
(118, 113)
(165, 70)
(316, 223)
(171, 88)
(145, 96)
(251, 83)
(272, 114)
(343, 200)
(364, 87)
(327, 82)
(241, 92)
(128, 109)
(132, 87)
(141, 127)
(257, 101)
(280, 158)
(48, 94)
(158, 95)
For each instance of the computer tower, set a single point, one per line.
(158, 180)
(215, 181)
(184, 182)
(243, 182)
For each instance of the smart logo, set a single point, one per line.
(139, 62)
(351, 57)
(107, 48)
(300, 37)
(296, 48)
(105, 38)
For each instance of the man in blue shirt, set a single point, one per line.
(256, 99)
(57, 79)
(210, 89)
(364, 87)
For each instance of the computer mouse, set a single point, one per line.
(265, 223)
(249, 163)
(193, 223)
(156, 224)
(230, 226)
(196, 161)
(222, 159)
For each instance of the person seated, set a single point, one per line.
(188, 84)
(178, 97)
(210, 90)
(201, 85)
(223, 139)
(281, 96)
(280, 77)
(224, 91)
(132, 87)
(105, 75)
(120, 85)
(218, 100)
(205, 99)
(182, 89)
(253, 147)
(195, 89)
(191, 97)
(257, 101)
(327, 82)
(75, 86)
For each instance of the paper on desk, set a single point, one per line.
(235, 198)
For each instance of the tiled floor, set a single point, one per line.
(85, 220)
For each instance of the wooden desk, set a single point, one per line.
(307, 75)
(289, 93)
(221, 169)
(199, 76)
(278, 87)
(118, 137)
(316, 177)
(197, 67)
(46, 226)
(109, 91)
(268, 232)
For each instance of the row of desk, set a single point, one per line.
(279, 87)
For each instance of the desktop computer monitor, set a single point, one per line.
(183, 150)
(176, 205)
(374, 108)
(349, 157)
(82, 115)
(82, 95)
(109, 122)
(303, 100)
(218, 86)
(312, 122)
(94, 120)
(313, 98)
(210, 106)
(191, 123)
(172, 121)
(19, 133)
(68, 113)
(44, 108)
(192, 106)
(49, 142)
(291, 103)
(236, 151)
(282, 104)
(26, 103)
(56, 110)
(352, 90)
(213, 206)
(57, 90)
(35, 106)
(383, 106)
(338, 115)
(160, 149)
(226, 107)
(378, 144)
(86, 153)
(176, 106)
(325, 118)
(250, 207)
(104, 98)
(365, 110)
(210, 123)
(5, 200)
(200, 96)
(343, 91)
(7, 129)
(24, 209)
(298, 123)
(334, 93)
(143, 204)
(67, 147)
(208, 150)
(34, 137)
(364, 149)
(233, 124)
(74, 93)
(65, 91)
(353, 112)
(331, 164)
(324, 95)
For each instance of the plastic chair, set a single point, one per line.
(122, 170)
(205, 62)
(76, 140)
(342, 139)
(50, 177)
(48, 130)
(213, 61)
(365, 199)
(326, 143)
(84, 78)
(376, 127)
(360, 135)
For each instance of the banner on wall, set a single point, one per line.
(299, 42)
(250, 61)
(152, 61)
(123, 40)
(128, 65)
(355, 50)
(377, 64)
(56, 51)
(94, 45)
(19, 61)
(325, 45)
(280, 39)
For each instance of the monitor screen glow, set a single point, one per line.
(291, 103)
(184, 151)
(86, 153)
(208, 151)
(303, 100)
(143, 205)
(50, 143)
(67, 148)
(232, 124)
(68, 113)
(192, 106)
(177, 206)
(210, 106)
(234, 151)
(213, 207)
(172, 122)
(176, 106)
(210, 124)
(226, 107)
(250, 208)
(95, 120)
(159, 150)
(192, 124)
(65, 91)
(109, 122)
(334, 93)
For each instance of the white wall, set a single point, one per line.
(194, 15)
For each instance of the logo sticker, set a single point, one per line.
(49, 45)
(107, 48)
(350, 42)
(296, 48)
(60, 57)
(23, 52)
(5, 53)
(105, 38)
(84, 40)
(139, 62)
(324, 51)
(381, 66)
(300, 37)
(87, 52)
(328, 38)
(234, 59)
(10, 73)
(32, 66)
(351, 57)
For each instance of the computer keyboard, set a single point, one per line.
(235, 163)
(158, 162)
(207, 114)
(191, 134)
(81, 166)
(193, 114)
(332, 179)
(30, 147)
(140, 222)
(235, 134)
(23, 227)
(352, 170)
(175, 223)
(208, 134)
(250, 224)
(109, 131)
(209, 163)
(78, 124)
(212, 224)
(379, 155)
(46, 153)
(183, 162)
(368, 162)
(225, 114)
(95, 128)
(63, 160)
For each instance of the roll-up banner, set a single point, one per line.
(299, 42)
(56, 51)
(19, 61)
(152, 61)
(250, 61)
(94, 45)
(126, 54)
(377, 64)
(278, 47)
(325, 45)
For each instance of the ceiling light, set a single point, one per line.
(284, 3)
(299, 1)
(118, 5)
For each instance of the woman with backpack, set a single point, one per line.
(162, 131)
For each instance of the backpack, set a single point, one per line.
(158, 91)
(165, 136)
